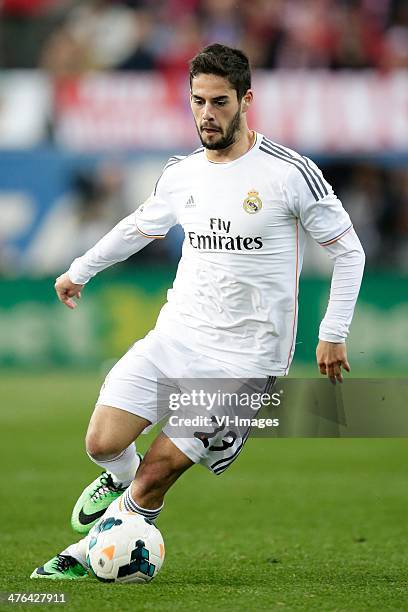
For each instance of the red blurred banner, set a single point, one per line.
(316, 111)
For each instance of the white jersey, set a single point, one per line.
(235, 294)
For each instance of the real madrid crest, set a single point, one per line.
(252, 203)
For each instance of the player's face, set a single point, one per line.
(217, 112)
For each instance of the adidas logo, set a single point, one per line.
(190, 203)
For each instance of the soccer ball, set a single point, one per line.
(125, 547)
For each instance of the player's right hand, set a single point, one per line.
(66, 290)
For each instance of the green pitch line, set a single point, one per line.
(294, 525)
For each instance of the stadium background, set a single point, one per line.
(93, 100)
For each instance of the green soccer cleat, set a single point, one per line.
(94, 500)
(61, 567)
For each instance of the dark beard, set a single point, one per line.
(229, 138)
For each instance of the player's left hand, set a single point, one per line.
(331, 358)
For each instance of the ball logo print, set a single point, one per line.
(252, 203)
(139, 562)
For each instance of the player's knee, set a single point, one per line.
(101, 447)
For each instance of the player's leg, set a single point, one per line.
(162, 466)
(127, 403)
(110, 444)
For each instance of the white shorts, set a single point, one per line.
(157, 366)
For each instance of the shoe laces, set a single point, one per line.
(105, 486)
(64, 562)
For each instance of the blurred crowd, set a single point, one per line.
(69, 37)
(377, 200)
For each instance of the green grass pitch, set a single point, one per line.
(293, 525)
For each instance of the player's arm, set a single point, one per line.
(117, 245)
(348, 256)
(150, 221)
(322, 215)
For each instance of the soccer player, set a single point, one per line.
(245, 204)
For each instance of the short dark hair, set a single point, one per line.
(232, 64)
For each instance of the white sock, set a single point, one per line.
(130, 505)
(78, 551)
(123, 467)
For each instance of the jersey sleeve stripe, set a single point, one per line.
(159, 237)
(302, 159)
(317, 175)
(327, 242)
(316, 196)
(175, 159)
(172, 161)
(300, 162)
